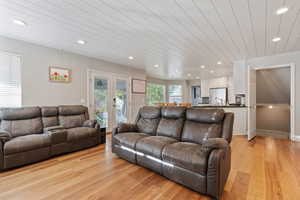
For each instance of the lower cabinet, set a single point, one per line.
(240, 120)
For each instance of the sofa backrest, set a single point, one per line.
(21, 121)
(171, 123)
(202, 123)
(148, 119)
(49, 116)
(72, 116)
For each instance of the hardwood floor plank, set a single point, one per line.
(263, 169)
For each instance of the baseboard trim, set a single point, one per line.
(239, 133)
(296, 138)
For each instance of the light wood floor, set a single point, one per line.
(265, 168)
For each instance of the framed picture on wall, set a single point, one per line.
(138, 86)
(59, 74)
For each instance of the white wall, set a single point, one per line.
(283, 59)
(37, 90)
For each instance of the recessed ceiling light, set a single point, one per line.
(212, 71)
(281, 11)
(19, 22)
(219, 63)
(156, 65)
(189, 74)
(197, 77)
(130, 57)
(202, 66)
(81, 42)
(276, 39)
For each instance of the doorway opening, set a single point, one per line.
(271, 101)
(108, 97)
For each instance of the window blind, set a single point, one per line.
(175, 93)
(10, 80)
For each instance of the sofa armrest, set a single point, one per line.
(57, 136)
(125, 127)
(90, 123)
(218, 167)
(210, 144)
(4, 136)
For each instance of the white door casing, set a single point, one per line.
(251, 103)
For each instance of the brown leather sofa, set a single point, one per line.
(187, 145)
(32, 134)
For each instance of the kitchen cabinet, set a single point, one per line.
(240, 77)
(213, 83)
(204, 88)
(240, 120)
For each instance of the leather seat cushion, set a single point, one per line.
(129, 139)
(80, 133)
(26, 143)
(153, 145)
(186, 155)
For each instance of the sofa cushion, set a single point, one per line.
(129, 139)
(80, 133)
(153, 145)
(205, 115)
(186, 155)
(21, 121)
(49, 116)
(170, 128)
(72, 110)
(173, 112)
(71, 121)
(26, 143)
(22, 127)
(149, 112)
(72, 116)
(196, 131)
(19, 113)
(148, 120)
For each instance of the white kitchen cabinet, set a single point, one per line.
(240, 77)
(213, 83)
(204, 88)
(240, 120)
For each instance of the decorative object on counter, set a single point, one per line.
(240, 99)
(59, 74)
(138, 86)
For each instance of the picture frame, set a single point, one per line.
(138, 86)
(59, 74)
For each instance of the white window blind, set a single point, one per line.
(175, 93)
(10, 80)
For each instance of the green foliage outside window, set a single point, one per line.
(155, 93)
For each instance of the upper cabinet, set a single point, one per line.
(222, 82)
(240, 77)
(204, 88)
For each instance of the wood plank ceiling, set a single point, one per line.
(177, 35)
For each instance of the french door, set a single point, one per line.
(109, 98)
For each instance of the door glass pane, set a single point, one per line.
(100, 101)
(121, 101)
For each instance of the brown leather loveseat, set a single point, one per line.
(187, 145)
(32, 134)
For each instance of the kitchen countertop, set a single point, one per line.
(219, 106)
